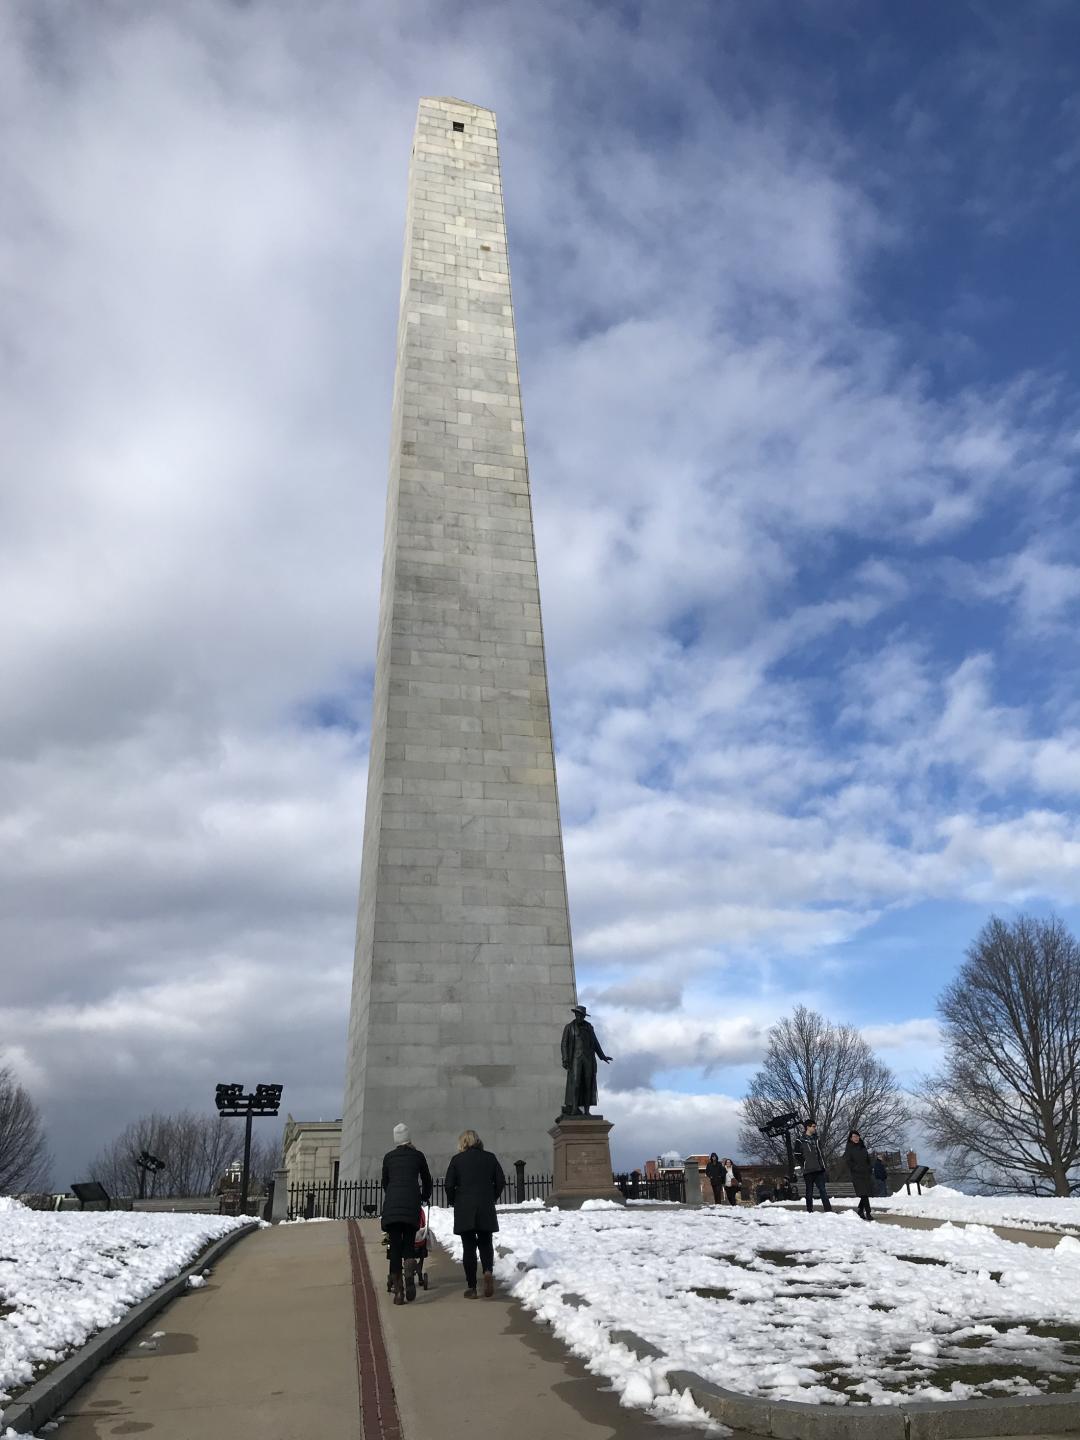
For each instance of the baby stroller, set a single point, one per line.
(420, 1252)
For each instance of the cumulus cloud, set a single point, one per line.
(652, 1122)
(646, 1045)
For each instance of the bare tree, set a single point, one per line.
(222, 1144)
(265, 1159)
(1006, 1106)
(828, 1073)
(115, 1166)
(195, 1148)
(24, 1159)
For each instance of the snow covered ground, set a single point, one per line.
(64, 1276)
(942, 1203)
(820, 1308)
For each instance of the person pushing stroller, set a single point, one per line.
(406, 1183)
(419, 1256)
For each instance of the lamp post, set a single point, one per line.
(148, 1165)
(231, 1101)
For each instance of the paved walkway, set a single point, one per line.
(270, 1349)
(467, 1368)
(265, 1351)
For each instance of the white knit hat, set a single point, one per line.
(401, 1134)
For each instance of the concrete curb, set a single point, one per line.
(918, 1420)
(41, 1402)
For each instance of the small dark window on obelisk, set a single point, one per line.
(459, 125)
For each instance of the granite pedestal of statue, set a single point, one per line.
(582, 1162)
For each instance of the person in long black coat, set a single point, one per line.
(474, 1182)
(714, 1173)
(860, 1165)
(406, 1183)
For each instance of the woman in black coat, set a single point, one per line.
(406, 1183)
(474, 1181)
(861, 1169)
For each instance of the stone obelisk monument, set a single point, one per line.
(464, 969)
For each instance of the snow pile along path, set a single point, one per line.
(1044, 1212)
(64, 1276)
(785, 1305)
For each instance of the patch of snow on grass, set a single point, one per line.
(66, 1275)
(785, 1305)
(942, 1203)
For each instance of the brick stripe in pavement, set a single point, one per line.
(378, 1404)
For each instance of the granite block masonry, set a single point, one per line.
(464, 969)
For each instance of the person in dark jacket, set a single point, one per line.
(881, 1177)
(406, 1183)
(813, 1166)
(474, 1181)
(861, 1169)
(714, 1173)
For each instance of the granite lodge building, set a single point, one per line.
(311, 1151)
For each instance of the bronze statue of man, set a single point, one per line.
(580, 1048)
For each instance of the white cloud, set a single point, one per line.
(650, 1122)
(901, 1035)
(692, 1038)
(1042, 589)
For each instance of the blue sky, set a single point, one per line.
(794, 292)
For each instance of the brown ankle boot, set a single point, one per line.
(489, 1284)
(399, 1290)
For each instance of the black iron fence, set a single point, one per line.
(363, 1198)
(671, 1185)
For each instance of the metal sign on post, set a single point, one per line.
(916, 1175)
(231, 1101)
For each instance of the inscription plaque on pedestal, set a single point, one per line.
(582, 1162)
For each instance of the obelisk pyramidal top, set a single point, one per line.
(464, 970)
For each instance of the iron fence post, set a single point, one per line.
(519, 1166)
